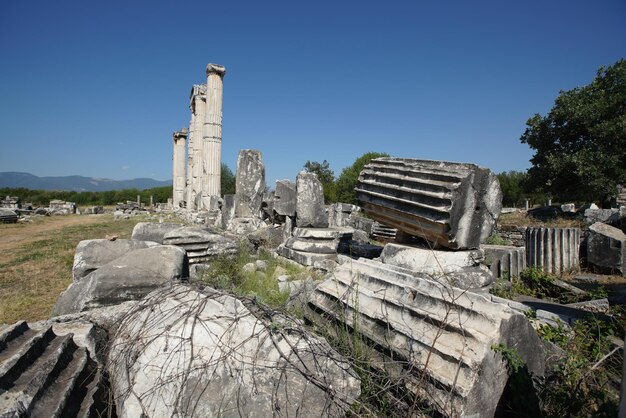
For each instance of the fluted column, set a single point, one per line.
(178, 167)
(212, 133)
(194, 152)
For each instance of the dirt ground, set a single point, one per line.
(36, 260)
(13, 236)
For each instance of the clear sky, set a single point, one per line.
(96, 88)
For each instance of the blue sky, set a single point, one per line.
(97, 88)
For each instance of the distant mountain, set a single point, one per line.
(76, 183)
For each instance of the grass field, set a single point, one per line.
(36, 260)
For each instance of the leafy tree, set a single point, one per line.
(511, 184)
(326, 177)
(580, 145)
(349, 176)
(228, 180)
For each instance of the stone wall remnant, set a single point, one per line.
(606, 247)
(451, 205)
(249, 184)
(440, 338)
(553, 250)
(178, 167)
(310, 210)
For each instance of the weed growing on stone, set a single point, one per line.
(586, 381)
(226, 272)
(536, 283)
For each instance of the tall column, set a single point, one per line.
(197, 106)
(178, 167)
(212, 133)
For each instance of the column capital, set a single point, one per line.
(215, 68)
(180, 134)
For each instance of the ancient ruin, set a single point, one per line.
(201, 179)
(178, 164)
(390, 296)
(450, 205)
(553, 250)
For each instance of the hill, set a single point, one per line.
(75, 183)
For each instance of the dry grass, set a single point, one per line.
(520, 219)
(36, 260)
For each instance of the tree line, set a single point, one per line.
(106, 198)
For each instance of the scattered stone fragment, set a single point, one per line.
(553, 250)
(94, 253)
(310, 211)
(285, 198)
(504, 261)
(217, 358)
(45, 373)
(200, 244)
(129, 277)
(462, 269)
(250, 184)
(7, 216)
(606, 248)
(151, 231)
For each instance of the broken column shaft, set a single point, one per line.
(212, 132)
(451, 205)
(178, 166)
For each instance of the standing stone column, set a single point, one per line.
(212, 133)
(178, 167)
(197, 105)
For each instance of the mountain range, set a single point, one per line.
(76, 183)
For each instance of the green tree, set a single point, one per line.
(326, 177)
(511, 184)
(228, 180)
(580, 145)
(349, 176)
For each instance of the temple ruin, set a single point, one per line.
(202, 172)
